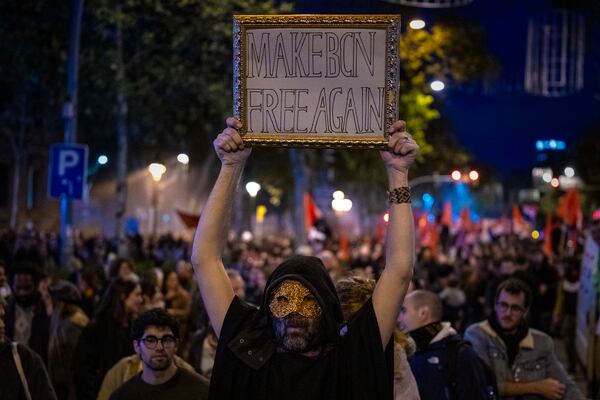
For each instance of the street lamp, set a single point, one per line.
(102, 159)
(437, 86)
(569, 172)
(252, 188)
(340, 204)
(473, 175)
(157, 170)
(183, 158)
(456, 175)
(417, 24)
(547, 176)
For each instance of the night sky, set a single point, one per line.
(500, 127)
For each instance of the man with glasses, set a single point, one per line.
(155, 340)
(522, 359)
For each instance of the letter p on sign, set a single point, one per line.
(67, 159)
(68, 170)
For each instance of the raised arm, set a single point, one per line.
(400, 239)
(213, 226)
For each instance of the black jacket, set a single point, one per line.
(35, 373)
(449, 369)
(40, 327)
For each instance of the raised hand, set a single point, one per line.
(402, 148)
(229, 146)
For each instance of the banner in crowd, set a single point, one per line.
(586, 302)
(316, 80)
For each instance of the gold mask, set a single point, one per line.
(292, 296)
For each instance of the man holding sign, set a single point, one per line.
(296, 346)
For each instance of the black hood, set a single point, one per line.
(311, 272)
(259, 336)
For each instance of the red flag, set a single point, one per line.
(465, 217)
(517, 217)
(569, 207)
(447, 214)
(344, 250)
(311, 212)
(189, 220)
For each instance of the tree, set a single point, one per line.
(33, 42)
(164, 63)
(177, 60)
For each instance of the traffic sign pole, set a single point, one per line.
(70, 116)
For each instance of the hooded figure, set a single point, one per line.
(347, 361)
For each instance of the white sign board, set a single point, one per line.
(316, 80)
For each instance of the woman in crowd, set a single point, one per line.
(178, 302)
(107, 339)
(66, 324)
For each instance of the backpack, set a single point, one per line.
(449, 371)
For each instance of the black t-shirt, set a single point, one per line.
(356, 367)
(184, 385)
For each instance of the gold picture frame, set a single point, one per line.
(269, 92)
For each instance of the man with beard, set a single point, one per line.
(295, 345)
(23, 375)
(522, 359)
(27, 320)
(155, 340)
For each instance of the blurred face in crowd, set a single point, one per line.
(156, 301)
(411, 317)
(510, 310)
(185, 271)
(238, 285)
(156, 348)
(23, 286)
(125, 270)
(133, 301)
(172, 283)
(297, 318)
(2, 275)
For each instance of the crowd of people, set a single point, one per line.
(82, 316)
(271, 319)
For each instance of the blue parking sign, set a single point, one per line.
(68, 170)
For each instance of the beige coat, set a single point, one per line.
(126, 369)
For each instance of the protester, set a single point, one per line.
(107, 339)
(22, 372)
(292, 347)
(5, 290)
(177, 302)
(522, 359)
(151, 294)
(66, 324)
(565, 311)
(155, 339)
(444, 366)
(122, 268)
(27, 319)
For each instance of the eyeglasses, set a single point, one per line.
(514, 308)
(167, 341)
